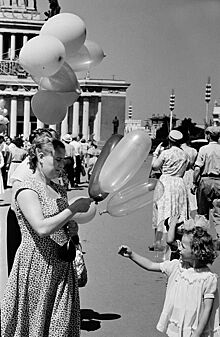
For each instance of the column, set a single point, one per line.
(1, 46)
(40, 124)
(27, 109)
(64, 125)
(85, 122)
(13, 117)
(25, 38)
(97, 122)
(12, 54)
(75, 126)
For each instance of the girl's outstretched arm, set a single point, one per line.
(208, 303)
(141, 261)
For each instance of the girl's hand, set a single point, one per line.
(125, 251)
(174, 220)
(80, 205)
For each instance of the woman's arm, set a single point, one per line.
(141, 261)
(208, 303)
(29, 204)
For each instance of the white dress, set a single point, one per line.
(186, 290)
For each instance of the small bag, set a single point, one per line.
(80, 267)
(67, 252)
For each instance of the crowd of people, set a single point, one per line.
(42, 297)
(191, 180)
(183, 215)
(79, 154)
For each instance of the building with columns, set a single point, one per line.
(91, 115)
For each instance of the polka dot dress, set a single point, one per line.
(41, 297)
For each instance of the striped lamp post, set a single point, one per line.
(208, 90)
(172, 105)
(130, 111)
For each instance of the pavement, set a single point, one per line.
(120, 299)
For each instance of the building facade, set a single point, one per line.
(91, 115)
(216, 114)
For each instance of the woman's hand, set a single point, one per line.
(125, 251)
(80, 205)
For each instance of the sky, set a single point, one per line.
(156, 46)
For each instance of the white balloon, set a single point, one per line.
(48, 107)
(68, 97)
(42, 55)
(63, 80)
(69, 28)
(88, 56)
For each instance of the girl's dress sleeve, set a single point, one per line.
(210, 286)
(167, 267)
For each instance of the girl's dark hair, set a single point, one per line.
(202, 245)
(42, 143)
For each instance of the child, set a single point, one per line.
(175, 229)
(191, 302)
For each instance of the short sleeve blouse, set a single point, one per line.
(186, 290)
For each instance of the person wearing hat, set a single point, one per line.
(69, 158)
(206, 177)
(172, 162)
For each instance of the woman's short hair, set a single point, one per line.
(42, 143)
(202, 245)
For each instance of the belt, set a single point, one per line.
(211, 175)
(16, 161)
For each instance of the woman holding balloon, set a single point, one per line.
(173, 163)
(41, 297)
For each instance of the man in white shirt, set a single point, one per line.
(77, 151)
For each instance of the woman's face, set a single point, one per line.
(53, 163)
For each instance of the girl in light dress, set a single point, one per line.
(191, 306)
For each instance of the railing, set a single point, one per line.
(8, 67)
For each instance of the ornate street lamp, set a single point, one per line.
(208, 90)
(172, 105)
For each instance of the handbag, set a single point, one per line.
(80, 266)
(67, 252)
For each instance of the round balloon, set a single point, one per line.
(133, 198)
(88, 56)
(69, 28)
(82, 218)
(125, 160)
(48, 107)
(42, 55)
(63, 80)
(68, 97)
(94, 190)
